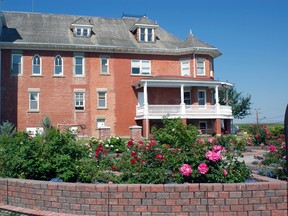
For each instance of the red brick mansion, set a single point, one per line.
(92, 72)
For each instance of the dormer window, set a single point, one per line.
(144, 30)
(82, 27)
(146, 34)
(82, 32)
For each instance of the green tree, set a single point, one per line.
(241, 105)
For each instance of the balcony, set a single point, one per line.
(184, 111)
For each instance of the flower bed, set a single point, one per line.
(266, 197)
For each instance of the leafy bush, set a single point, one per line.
(43, 157)
(260, 134)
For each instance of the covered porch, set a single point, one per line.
(181, 98)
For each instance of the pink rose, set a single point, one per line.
(273, 148)
(213, 156)
(210, 140)
(186, 170)
(203, 168)
(225, 172)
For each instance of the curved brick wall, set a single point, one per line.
(261, 198)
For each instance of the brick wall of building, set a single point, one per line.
(261, 198)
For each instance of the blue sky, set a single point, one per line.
(251, 34)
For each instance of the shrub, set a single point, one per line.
(7, 129)
(43, 157)
(260, 134)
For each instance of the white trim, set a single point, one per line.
(62, 66)
(104, 57)
(202, 60)
(101, 99)
(185, 71)
(83, 65)
(40, 65)
(37, 100)
(79, 100)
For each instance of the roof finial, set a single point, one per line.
(191, 32)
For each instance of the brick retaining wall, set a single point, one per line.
(261, 198)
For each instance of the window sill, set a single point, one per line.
(33, 111)
(79, 111)
(104, 74)
(145, 75)
(34, 75)
(102, 108)
(80, 76)
(16, 75)
(58, 76)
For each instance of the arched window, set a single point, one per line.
(36, 65)
(58, 66)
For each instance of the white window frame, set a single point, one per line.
(37, 65)
(145, 35)
(100, 122)
(200, 69)
(32, 131)
(20, 64)
(185, 67)
(82, 32)
(58, 65)
(141, 65)
(205, 98)
(79, 99)
(32, 101)
(101, 97)
(82, 65)
(104, 65)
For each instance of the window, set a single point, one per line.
(78, 65)
(211, 68)
(79, 100)
(58, 66)
(146, 35)
(201, 97)
(102, 100)
(100, 123)
(104, 64)
(82, 32)
(16, 64)
(203, 127)
(200, 66)
(185, 67)
(32, 131)
(33, 101)
(141, 67)
(36, 65)
(187, 97)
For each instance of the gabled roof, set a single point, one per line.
(25, 30)
(82, 21)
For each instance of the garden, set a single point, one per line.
(176, 153)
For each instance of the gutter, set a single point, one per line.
(108, 49)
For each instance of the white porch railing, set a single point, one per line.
(189, 111)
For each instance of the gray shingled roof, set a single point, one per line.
(35, 29)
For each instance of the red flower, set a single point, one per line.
(132, 161)
(159, 156)
(130, 143)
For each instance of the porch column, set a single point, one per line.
(183, 109)
(217, 105)
(217, 127)
(145, 102)
(227, 98)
